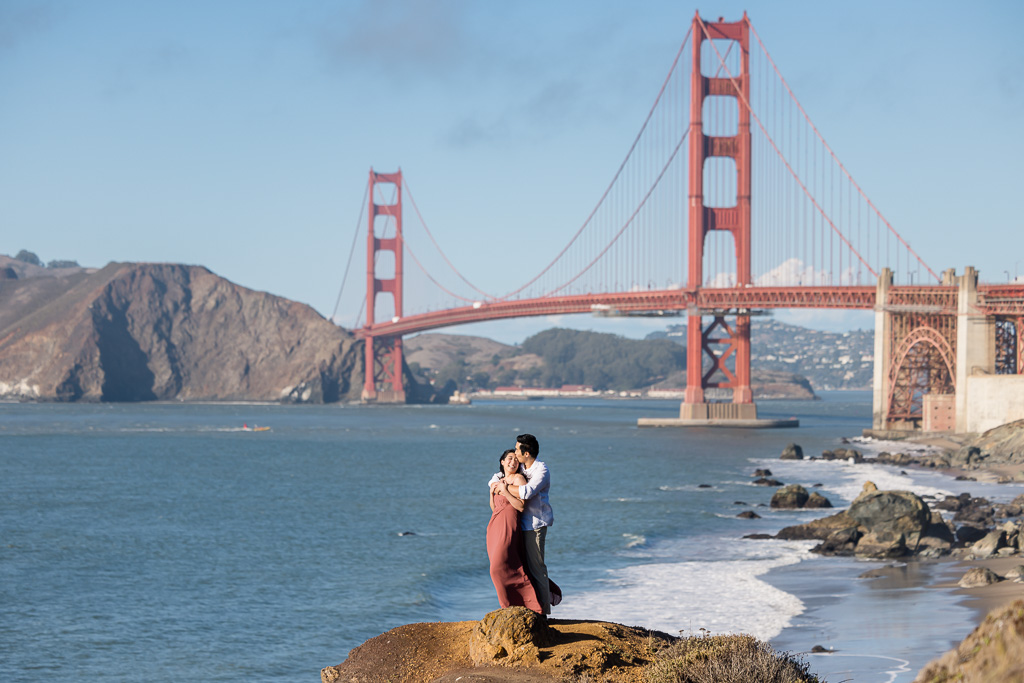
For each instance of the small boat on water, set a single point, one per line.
(255, 428)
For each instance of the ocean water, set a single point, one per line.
(163, 540)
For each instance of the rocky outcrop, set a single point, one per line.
(792, 452)
(994, 651)
(789, 497)
(1003, 445)
(511, 636)
(136, 332)
(892, 514)
(878, 524)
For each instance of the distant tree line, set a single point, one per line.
(603, 361)
(27, 256)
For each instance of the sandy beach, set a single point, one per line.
(886, 628)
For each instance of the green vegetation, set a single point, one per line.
(27, 256)
(726, 659)
(603, 361)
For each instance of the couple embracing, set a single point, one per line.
(520, 517)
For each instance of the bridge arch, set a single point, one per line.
(924, 362)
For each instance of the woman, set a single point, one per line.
(503, 540)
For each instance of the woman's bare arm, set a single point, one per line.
(514, 500)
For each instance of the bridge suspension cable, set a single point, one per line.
(803, 187)
(832, 153)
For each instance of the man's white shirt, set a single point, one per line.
(534, 493)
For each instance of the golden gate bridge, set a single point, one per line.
(728, 202)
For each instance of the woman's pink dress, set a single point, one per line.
(503, 546)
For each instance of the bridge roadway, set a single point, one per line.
(993, 299)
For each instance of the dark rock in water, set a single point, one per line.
(817, 486)
(816, 500)
(819, 649)
(406, 533)
(964, 477)
(969, 534)
(758, 537)
(749, 514)
(790, 497)
(900, 459)
(738, 502)
(704, 486)
(792, 452)
(843, 454)
(762, 473)
(766, 482)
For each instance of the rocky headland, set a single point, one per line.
(150, 331)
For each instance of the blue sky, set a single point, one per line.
(238, 134)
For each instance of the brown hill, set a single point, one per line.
(133, 332)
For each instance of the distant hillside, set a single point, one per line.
(132, 332)
(829, 360)
(556, 357)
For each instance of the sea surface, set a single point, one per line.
(164, 541)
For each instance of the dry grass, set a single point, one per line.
(726, 659)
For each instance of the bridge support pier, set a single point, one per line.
(942, 363)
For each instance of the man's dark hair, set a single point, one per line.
(528, 444)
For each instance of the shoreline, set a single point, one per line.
(889, 627)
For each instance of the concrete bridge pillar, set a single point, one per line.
(883, 352)
(975, 343)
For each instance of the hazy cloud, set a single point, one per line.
(21, 21)
(400, 40)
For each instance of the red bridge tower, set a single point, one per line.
(719, 341)
(383, 365)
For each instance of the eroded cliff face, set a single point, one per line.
(132, 332)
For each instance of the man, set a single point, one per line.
(536, 516)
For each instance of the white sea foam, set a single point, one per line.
(724, 596)
(634, 540)
(689, 487)
(845, 480)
